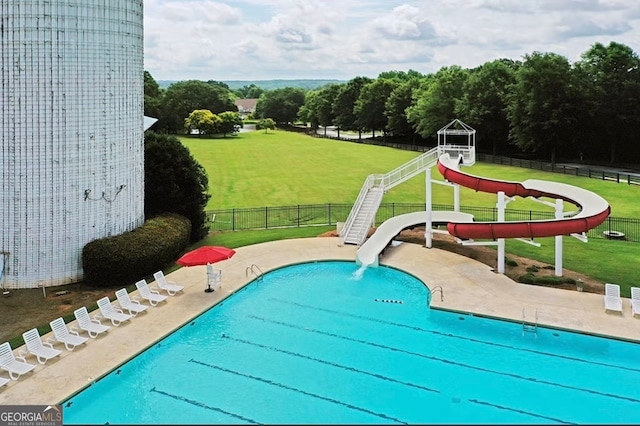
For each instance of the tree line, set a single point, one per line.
(541, 106)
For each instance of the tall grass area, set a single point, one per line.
(257, 169)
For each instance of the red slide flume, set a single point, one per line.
(593, 209)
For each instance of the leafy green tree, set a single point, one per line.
(174, 182)
(266, 124)
(282, 105)
(401, 76)
(326, 97)
(220, 84)
(343, 106)
(435, 101)
(152, 96)
(181, 98)
(396, 106)
(250, 91)
(229, 122)
(612, 76)
(318, 106)
(544, 104)
(308, 112)
(204, 121)
(370, 105)
(484, 102)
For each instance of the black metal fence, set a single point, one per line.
(331, 214)
(589, 171)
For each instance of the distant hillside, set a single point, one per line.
(267, 84)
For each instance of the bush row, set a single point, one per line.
(128, 257)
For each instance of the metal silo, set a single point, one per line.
(71, 130)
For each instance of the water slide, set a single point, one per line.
(368, 253)
(593, 209)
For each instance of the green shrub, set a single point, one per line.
(526, 278)
(529, 278)
(532, 269)
(553, 280)
(511, 262)
(127, 257)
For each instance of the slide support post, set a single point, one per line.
(501, 205)
(428, 229)
(559, 215)
(456, 197)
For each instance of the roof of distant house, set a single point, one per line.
(248, 104)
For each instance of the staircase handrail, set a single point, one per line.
(369, 219)
(371, 181)
(401, 174)
(411, 168)
(454, 151)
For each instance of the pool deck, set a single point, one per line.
(468, 286)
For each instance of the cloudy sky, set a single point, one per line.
(342, 39)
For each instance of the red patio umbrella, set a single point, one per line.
(206, 254)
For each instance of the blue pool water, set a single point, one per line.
(312, 344)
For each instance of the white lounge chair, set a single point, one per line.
(110, 312)
(35, 346)
(169, 286)
(71, 339)
(92, 326)
(612, 300)
(4, 381)
(149, 294)
(134, 307)
(8, 362)
(635, 300)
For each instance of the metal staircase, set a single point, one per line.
(363, 213)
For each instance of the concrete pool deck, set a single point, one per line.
(468, 286)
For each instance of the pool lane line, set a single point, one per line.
(473, 401)
(516, 410)
(333, 364)
(205, 406)
(445, 361)
(311, 394)
(453, 336)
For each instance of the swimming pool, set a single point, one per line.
(310, 343)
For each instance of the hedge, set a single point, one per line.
(130, 256)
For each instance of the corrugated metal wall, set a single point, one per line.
(71, 131)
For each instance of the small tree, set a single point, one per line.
(229, 122)
(204, 121)
(266, 124)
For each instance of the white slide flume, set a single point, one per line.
(368, 253)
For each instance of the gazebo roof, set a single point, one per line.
(457, 127)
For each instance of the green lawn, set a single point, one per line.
(257, 169)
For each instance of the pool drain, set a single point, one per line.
(389, 301)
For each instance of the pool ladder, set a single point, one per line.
(435, 289)
(531, 328)
(250, 269)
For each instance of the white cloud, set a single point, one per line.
(405, 23)
(264, 39)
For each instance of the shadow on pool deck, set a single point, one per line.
(468, 286)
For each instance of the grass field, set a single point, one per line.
(257, 169)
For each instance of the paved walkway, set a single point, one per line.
(468, 286)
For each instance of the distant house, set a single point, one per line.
(246, 106)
